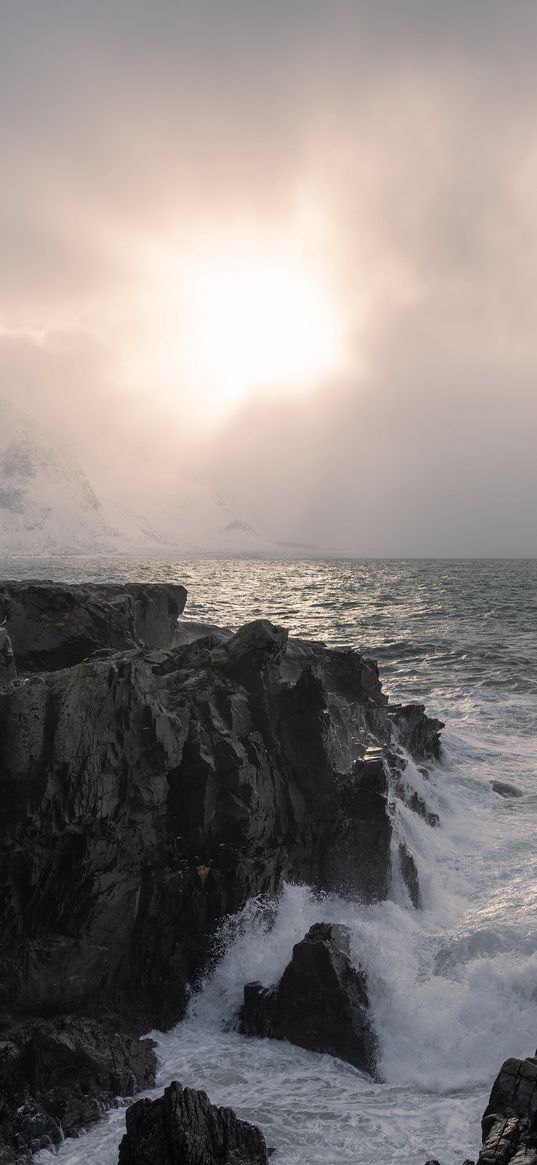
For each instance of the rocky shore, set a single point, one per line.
(154, 776)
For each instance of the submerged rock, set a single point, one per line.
(320, 1002)
(503, 789)
(182, 1127)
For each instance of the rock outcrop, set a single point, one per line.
(58, 1075)
(320, 1002)
(122, 778)
(182, 1127)
(150, 790)
(509, 1124)
(56, 625)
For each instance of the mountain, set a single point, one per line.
(49, 506)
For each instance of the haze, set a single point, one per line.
(369, 170)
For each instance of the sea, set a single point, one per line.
(453, 987)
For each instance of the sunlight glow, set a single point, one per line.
(235, 325)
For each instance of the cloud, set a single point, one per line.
(405, 132)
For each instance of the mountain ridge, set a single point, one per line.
(48, 505)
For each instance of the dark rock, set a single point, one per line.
(415, 802)
(121, 777)
(56, 625)
(182, 1127)
(514, 1092)
(505, 790)
(509, 1124)
(148, 792)
(418, 733)
(357, 863)
(59, 1076)
(410, 875)
(320, 1002)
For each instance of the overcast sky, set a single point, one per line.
(391, 145)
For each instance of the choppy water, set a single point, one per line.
(453, 987)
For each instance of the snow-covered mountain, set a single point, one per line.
(48, 506)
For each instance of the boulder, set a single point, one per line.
(320, 1002)
(503, 789)
(182, 1127)
(56, 625)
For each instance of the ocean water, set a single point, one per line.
(453, 987)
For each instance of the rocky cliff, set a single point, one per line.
(152, 788)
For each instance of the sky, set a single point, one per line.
(286, 248)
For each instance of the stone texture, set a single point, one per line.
(509, 1125)
(410, 875)
(59, 1075)
(150, 790)
(182, 1127)
(56, 625)
(320, 1002)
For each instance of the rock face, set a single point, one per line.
(61, 1074)
(123, 778)
(55, 625)
(509, 1124)
(320, 1002)
(182, 1127)
(148, 791)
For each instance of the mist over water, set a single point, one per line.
(452, 987)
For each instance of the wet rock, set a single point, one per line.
(121, 777)
(147, 792)
(320, 1002)
(417, 732)
(410, 876)
(357, 864)
(56, 625)
(182, 1127)
(59, 1076)
(514, 1092)
(509, 1124)
(503, 789)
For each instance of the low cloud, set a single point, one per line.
(411, 131)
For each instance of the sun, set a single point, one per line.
(236, 322)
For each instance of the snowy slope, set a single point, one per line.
(48, 506)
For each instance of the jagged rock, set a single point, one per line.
(147, 792)
(182, 1127)
(419, 734)
(320, 1002)
(509, 1124)
(514, 1092)
(56, 625)
(410, 875)
(358, 863)
(60, 1075)
(121, 777)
